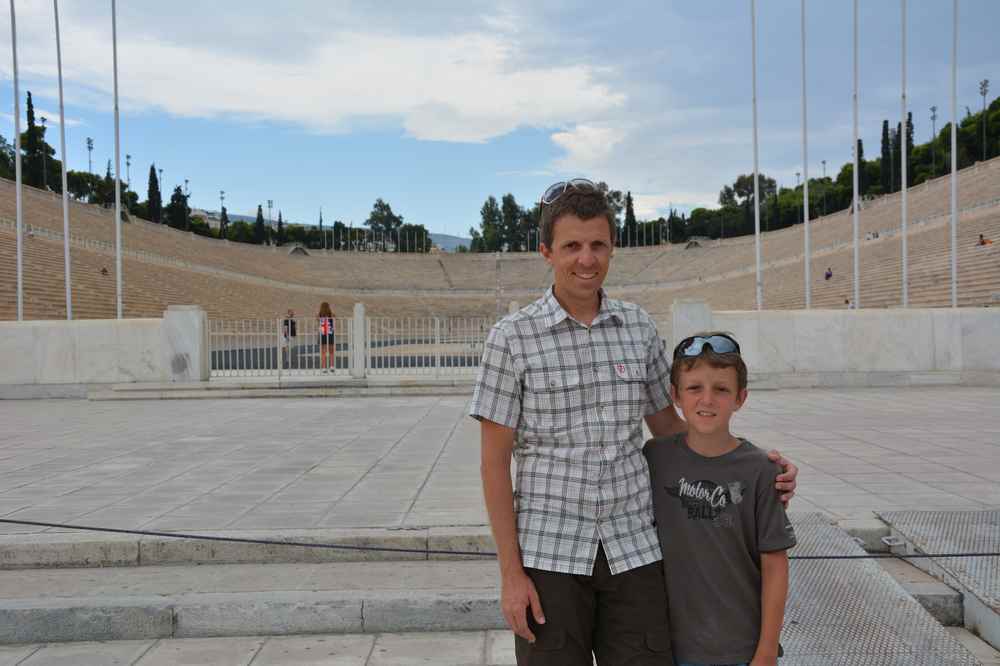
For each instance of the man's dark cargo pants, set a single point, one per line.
(621, 619)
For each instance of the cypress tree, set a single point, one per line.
(223, 223)
(154, 200)
(885, 175)
(631, 230)
(32, 149)
(281, 230)
(259, 232)
(897, 158)
(909, 149)
(862, 180)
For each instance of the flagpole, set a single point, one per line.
(902, 165)
(856, 203)
(805, 166)
(17, 170)
(756, 175)
(954, 156)
(65, 190)
(118, 196)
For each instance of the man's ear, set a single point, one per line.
(545, 250)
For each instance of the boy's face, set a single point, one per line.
(579, 256)
(708, 397)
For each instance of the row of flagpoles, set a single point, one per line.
(757, 243)
(65, 190)
(855, 206)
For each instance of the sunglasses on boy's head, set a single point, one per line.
(557, 190)
(696, 344)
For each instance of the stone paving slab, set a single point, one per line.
(414, 462)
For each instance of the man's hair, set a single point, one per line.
(714, 359)
(585, 204)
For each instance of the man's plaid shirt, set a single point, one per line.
(576, 397)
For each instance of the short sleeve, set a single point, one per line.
(657, 375)
(497, 394)
(774, 530)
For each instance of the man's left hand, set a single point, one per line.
(785, 482)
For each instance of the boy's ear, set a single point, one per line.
(673, 393)
(741, 398)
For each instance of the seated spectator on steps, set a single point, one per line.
(984, 241)
(828, 274)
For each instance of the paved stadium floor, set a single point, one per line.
(396, 462)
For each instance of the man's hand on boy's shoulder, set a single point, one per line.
(785, 482)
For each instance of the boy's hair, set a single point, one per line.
(714, 359)
(585, 204)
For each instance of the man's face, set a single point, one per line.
(708, 397)
(580, 255)
(291, 314)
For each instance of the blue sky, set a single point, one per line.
(332, 104)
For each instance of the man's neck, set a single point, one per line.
(582, 311)
(713, 445)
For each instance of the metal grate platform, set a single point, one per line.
(851, 612)
(954, 531)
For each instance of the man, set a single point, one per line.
(564, 386)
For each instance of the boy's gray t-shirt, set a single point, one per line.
(715, 516)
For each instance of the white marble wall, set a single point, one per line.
(845, 346)
(185, 350)
(81, 352)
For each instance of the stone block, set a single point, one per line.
(99, 619)
(185, 351)
(433, 611)
(468, 539)
(35, 551)
(267, 613)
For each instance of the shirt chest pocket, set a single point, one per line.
(552, 398)
(623, 389)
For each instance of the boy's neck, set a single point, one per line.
(711, 445)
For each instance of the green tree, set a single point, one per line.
(382, 218)
(223, 222)
(108, 188)
(886, 173)
(7, 167)
(154, 200)
(490, 221)
(510, 234)
(177, 211)
(259, 230)
(32, 149)
(909, 149)
(281, 230)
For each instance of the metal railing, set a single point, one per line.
(279, 347)
(433, 346)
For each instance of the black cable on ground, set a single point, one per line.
(429, 551)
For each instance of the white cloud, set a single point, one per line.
(463, 87)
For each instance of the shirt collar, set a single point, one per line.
(553, 312)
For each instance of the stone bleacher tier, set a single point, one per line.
(163, 266)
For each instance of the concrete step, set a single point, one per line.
(465, 648)
(247, 600)
(62, 550)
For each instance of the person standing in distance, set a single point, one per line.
(564, 386)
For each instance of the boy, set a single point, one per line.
(722, 529)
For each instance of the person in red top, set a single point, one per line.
(326, 336)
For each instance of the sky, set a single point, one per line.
(435, 106)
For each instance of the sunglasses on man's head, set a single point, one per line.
(696, 344)
(557, 190)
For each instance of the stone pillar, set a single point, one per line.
(186, 353)
(690, 316)
(359, 342)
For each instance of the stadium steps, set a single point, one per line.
(269, 590)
